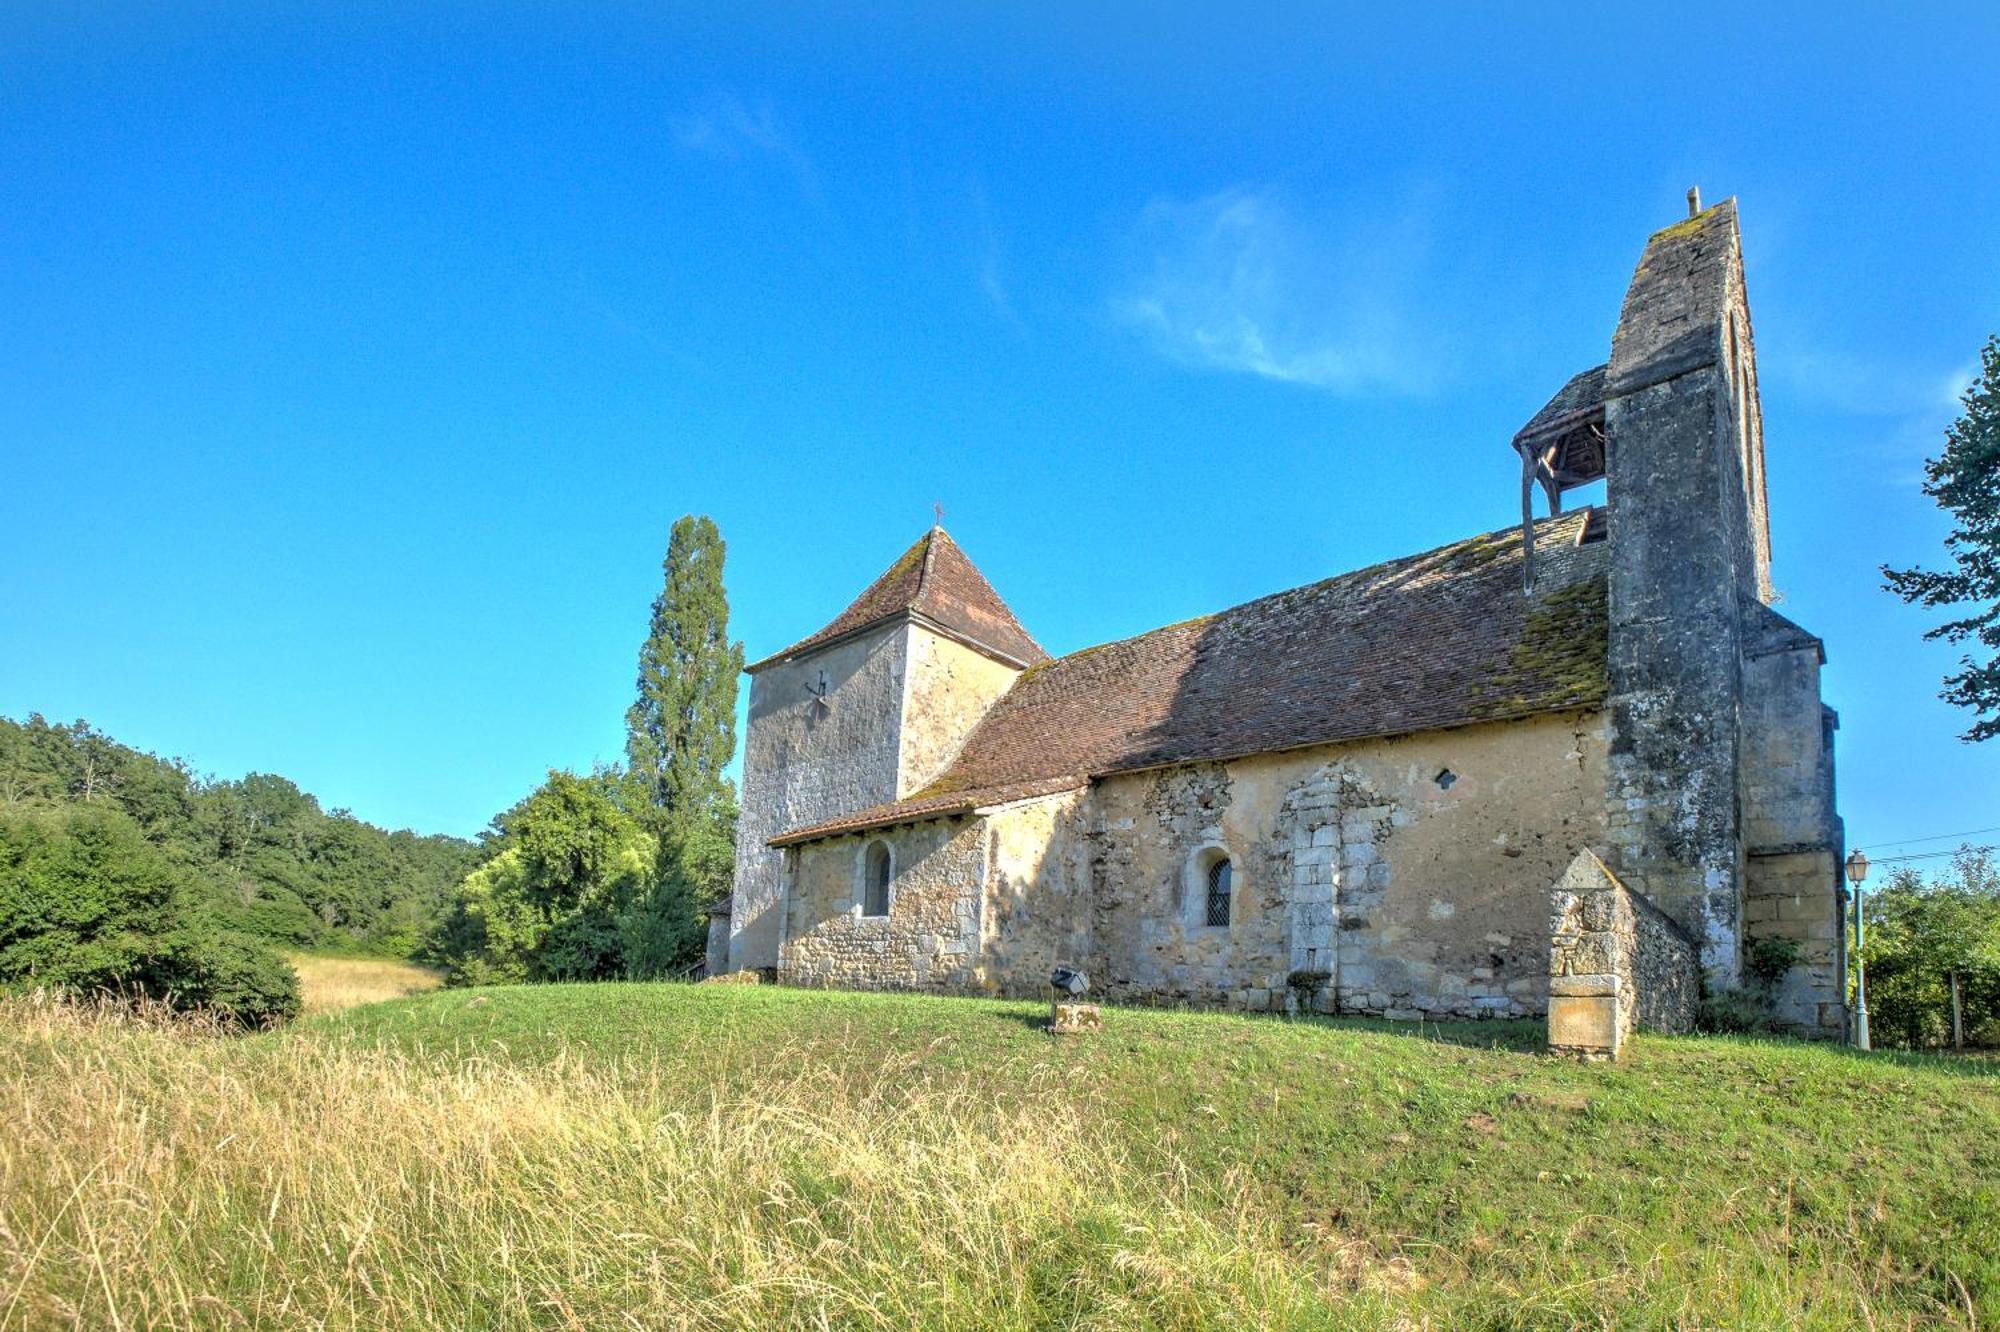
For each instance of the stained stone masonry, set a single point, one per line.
(1616, 962)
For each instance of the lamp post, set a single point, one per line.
(1857, 870)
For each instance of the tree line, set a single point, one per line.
(120, 870)
(124, 872)
(1932, 952)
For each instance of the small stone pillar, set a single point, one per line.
(1584, 1017)
(1067, 1011)
(718, 939)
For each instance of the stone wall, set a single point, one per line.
(1037, 908)
(930, 939)
(1793, 898)
(803, 762)
(1684, 484)
(900, 701)
(947, 688)
(1422, 863)
(715, 959)
(1415, 870)
(1616, 962)
(1792, 885)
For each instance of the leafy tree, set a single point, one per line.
(84, 899)
(680, 734)
(573, 873)
(88, 904)
(1923, 934)
(1965, 479)
(681, 730)
(667, 929)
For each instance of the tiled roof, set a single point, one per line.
(933, 579)
(1577, 400)
(928, 807)
(1430, 641)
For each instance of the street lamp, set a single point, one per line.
(1857, 870)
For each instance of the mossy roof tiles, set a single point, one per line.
(934, 579)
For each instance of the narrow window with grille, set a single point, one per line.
(1218, 893)
(875, 888)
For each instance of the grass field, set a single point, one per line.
(680, 1156)
(327, 984)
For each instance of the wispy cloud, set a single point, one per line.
(991, 261)
(1907, 407)
(724, 126)
(1237, 281)
(1872, 386)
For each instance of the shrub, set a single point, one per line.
(559, 902)
(1747, 1011)
(236, 978)
(84, 897)
(1767, 961)
(1743, 1012)
(88, 905)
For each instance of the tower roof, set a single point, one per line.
(935, 583)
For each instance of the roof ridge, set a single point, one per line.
(1513, 529)
(935, 579)
(930, 555)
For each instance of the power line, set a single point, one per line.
(1926, 855)
(1939, 837)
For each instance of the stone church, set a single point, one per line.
(1577, 760)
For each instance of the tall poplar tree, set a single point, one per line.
(1965, 479)
(680, 732)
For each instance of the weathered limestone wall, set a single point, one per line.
(1673, 665)
(1616, 962)
(803, 762)
(1037, 909)
(1793, 835)
(929, 940)
(1791, 897)
(947, 688)
(1684, 467)
(1421, 864)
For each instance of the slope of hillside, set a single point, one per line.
(659, 1156)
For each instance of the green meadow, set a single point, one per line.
(648, 1156)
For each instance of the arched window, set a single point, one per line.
(1218, 893)
(876, 870)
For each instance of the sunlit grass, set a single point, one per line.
(327, 984)
(715, 1157)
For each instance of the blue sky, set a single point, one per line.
(355, 360)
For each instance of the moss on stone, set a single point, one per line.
(1094, 648)
(907, 558)
(1685, 227)
(1559, 658)
(1475, 552)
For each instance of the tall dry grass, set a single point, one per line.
(328, 984)
(157, 1175)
